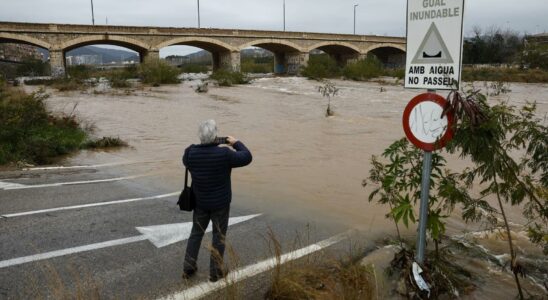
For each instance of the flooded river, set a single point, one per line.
(304, 163)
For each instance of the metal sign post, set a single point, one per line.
(434, 60)
(423, 213)
(426, 129)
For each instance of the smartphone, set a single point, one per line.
(221, 140)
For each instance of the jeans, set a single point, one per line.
(201, 218)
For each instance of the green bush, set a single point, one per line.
(258, 65)
(105, 142)
(118, 78)
(80, 72)
(158, 72)
(194, 68)
(33, 67)
(228, 78)
(45, 82)
(363, 69)
(397, 73)
(505, 75)
(320, 67)
(29, 133)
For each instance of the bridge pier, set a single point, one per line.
(149, 55)
(229, 61)
(290, 63)
(57, 63)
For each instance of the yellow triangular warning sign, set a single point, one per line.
(432, 49)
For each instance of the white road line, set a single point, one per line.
(52, 254)
(159, 235)
(93, 166)
(34, 212)
(201, 290)
(8, 186)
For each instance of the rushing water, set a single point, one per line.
(304, 163)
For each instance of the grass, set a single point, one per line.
(320, 67)
(319, 276)
(327, 280)
(363, 69)
(194, 68)
(323, 66)
(105, 142)
(31, 134)
(228, 78)
(257, 65)
(60, 84)
(157, 72)
(505, 75)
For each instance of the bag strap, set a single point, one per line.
(186, 168)
(186, 177)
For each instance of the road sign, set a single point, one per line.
(434, 44)
(423, 123)
(159, 235)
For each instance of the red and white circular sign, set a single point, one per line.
(423, 123)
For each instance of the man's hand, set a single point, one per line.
(231, 140)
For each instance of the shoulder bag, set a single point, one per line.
(187, 200)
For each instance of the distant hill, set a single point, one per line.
(108, 55)
(204, 56)
(116, 55)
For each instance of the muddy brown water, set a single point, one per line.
(304, 163)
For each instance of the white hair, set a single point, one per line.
(207, 131)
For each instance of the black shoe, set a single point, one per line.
(188, 274)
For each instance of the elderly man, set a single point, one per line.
(210, 166)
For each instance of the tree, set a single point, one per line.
(328, 90)
(491, 137)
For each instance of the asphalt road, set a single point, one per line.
(136, 269)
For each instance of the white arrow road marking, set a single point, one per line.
(34, 212)
(160, 236)
(11, 186)
(93, 166)
(201, 290)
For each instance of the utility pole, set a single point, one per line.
(284, 15)
(92, 14)
(355, 5)
(198, 13)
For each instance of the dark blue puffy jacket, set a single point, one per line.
(210, 167)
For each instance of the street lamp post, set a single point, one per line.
(198, 13)
(92, 14)
(355, 5)
(284, 15)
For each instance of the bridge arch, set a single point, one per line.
(387, 45)
(274, 45)
(341, 52)
(390, 54)
(122, 41)
(208, 44)
(287, 56)
(336, 47)
(223, 55)
(16, 38)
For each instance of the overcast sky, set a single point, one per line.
(380, 17)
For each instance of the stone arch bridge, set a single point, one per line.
(291, 49)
